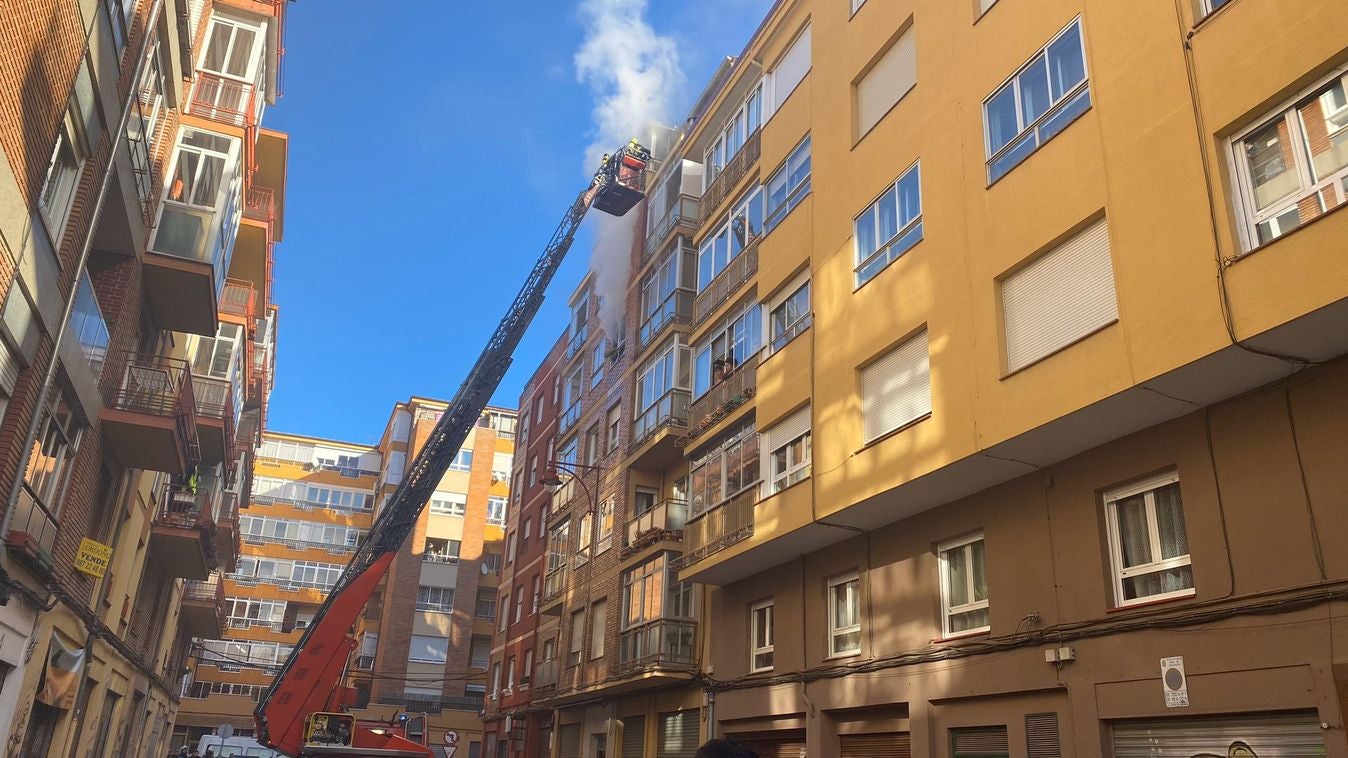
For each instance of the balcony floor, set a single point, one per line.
(181, 294)
(144, 441)
(181, 551)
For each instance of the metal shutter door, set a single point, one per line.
(634, 737)
(888, 80)
(678, 735)
(1283, 736)
(896, 389)
(568, 741)
(792, 67)
(1062, 296)
(892, 745)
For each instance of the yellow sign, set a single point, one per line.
(92, 558)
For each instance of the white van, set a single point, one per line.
(234, 747)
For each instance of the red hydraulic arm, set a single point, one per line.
(310, 680)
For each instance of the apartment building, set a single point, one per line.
(142, 201)
(427, 634)
(312, 502)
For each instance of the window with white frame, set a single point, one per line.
(463, 461)
(88, 326)
(597, 365)
(519, 603)
(449, 503)
(580, 322)
(844, 615)
(788, 186)
(592, 445)
(1208, 6)
(788, 72)
(526, 673)
(1059, 298)
(233, 50)
(890, 226)
(510, 548)
(486, 604)
(435, 599)
(63, 175)
(732, 136)
(743, 227)
(856, 5)
(586, 536)
(964, 586)
(427, 649)
(496, 510)
(120, 13)
(896, 389)
(652, 591)
(614, 428)
(1037, 102)
(49, 461)
(510, 673)
(495, 680)
(886, 82)
(203, 171)
(1148, 541)
(1293, 167)
(789, 313)
(735, 341)
(761, 635)
(528, 528)
(663, 374)
(787, 451)
(142, 129)
(729, 466)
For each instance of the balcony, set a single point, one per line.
(736, 274)
(364, 662)
(203, 607)
(676, 308)
(665, 520)
(183, 533)
(215, 419)
(735, 388)
(185, 265)
(569, 417)
(238, 302)
(259, 204)
(719, 528)
(670, 411)
(576, 342)
(432, 703)
(554, 587)
(32, 533)
(545, 676)
(224, 100)
(660, 644)
(730, 176)
(150, 415)
(227, 538)
(682, 217)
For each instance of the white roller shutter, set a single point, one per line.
(896, 389)
(888, 80)
(781, 433)
(1281, 736)
(678, 735)
(1062, 296)
(790, 70)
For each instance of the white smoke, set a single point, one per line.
(634, 75)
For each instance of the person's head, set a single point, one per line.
(725, 748)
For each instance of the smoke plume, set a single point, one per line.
(633, 73)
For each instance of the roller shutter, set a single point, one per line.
(980, 742)
(890, 745)
(778, 745)
(678, 735)
(568, 741)
(634, 737)
(896, 388)
(543, 748)
(1278, 736)
(1041, 736)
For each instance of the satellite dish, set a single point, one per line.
(225, 731)
(485, 568)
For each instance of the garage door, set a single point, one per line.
(1278, 736)
(893, 745)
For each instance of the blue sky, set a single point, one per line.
(433, 149)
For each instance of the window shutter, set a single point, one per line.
(781, 433)
(896, 389)
(1062, 296)
(9, 369)
(1041, 736)
(678, 735)
(892, 745)
(792, 68)
(988, 741)
(888, 80)
(634, 736)
(1292, 735)
(568, 741)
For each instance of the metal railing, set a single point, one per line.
(364, 662)
(734, 382)
(684, 213)
(719, 528)
(445, 558)
(215, 398)
(733, 172)
(670, 410)
(239, 298)
(676, 308)
(229, 101)
(187, 507)
(662, 643)
(260, 203)
(211, 591)
(153, 385)
(32, 531)
(577, 341)
(726, 283)
(554, 584)
(666, 516)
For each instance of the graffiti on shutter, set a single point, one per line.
(1295, 735)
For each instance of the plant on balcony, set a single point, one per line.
(717, 415)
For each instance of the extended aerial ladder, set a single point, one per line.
(301, 713)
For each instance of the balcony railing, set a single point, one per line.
(239, 298)
(727, 282)
(207, 591)
(733, 172)
(229, 101)
(658, 644)
(554, 584)
(260, 203)
(429, 557)
(577, 341)
(677, 308)
(719, 528)
(670, 410)
(365, 662)
(187, 507)
(432, 703)
(155, 386)
(683, 214)
(545, 675)
(666, 517)
(214, 397)
(569, 417)
(735, 382)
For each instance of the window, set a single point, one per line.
(463, 461)
(1148, 541)
(790, 185)
(49, 460)
(559, 545)
(486, 604)
(496, 510)
(572, 390)
(1037, 103)
(533, 471)
(732, 136)
(788, 451)
(142, 131)
(666, 372)
(586, 536)
(726, 469)
(652, 591)
(495, 680)
(86, 321)
(580, 316)
(492, 562)
(510, 673)
(119, 14)
(426, 649)
(528, 529)
(598, 623)
(435, 599)
(534, 593)
(505, 611)
(479, 651)
(788, 316)
(667, 291)
(856, 5)
(896, 389)
(63, 175)
(844, 615)
(886, 82)
(605, 526)
(964, 586)
(577, 638)
(889, 227)
(449, 503)
(1059, 298)
(232, 49)
(743, 227)
(596, 365)
(204, 172)
(789, 71)
(726, 347)
(761, 635)
(980, 742)
(1294, 167)
(592, 436)
(614, 427)
(527, 672)
(441, 550)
